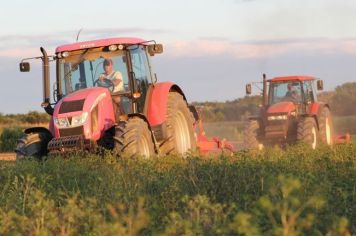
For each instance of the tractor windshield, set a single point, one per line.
(93, 67)
(285, 91)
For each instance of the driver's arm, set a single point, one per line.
(117, 78)
(102, 77)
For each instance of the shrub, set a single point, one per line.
(8, 138)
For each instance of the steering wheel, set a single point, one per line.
(105, 83)
(290, 99)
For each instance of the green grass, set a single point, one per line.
(274, 192)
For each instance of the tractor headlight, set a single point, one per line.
(278, 117)
(62, 122)
(79, 120)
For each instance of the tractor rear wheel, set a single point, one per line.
(326, 130)
(307, 131)
(134, 138)
(251, 132)
(32, 145)
(180, 131)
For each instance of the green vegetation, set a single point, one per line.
(11, 126)
(293, 192)
(8, 138)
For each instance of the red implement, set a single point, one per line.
(214, 145)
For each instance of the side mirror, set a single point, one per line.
(24, 66)
(155, 49)
(320, 85)
(248, 89)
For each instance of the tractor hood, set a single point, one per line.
(87, 112)
(281, 107)
(81, 100)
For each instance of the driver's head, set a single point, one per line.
(107, 65)
(290, 87)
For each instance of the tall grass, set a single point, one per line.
(274, 192)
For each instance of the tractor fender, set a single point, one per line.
(143, 117)
(157, 102)
(38, 130)
(316, 108)
(315, 111)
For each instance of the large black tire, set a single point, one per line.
(326, 129)
(134, 138)
(32, 145)
(307, 132)
(251, 133)
(180, 130)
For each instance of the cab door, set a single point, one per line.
(141, 73)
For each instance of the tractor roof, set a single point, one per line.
(98, 43)
(292, 78)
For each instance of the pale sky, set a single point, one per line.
(212, 48)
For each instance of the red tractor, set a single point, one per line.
(106, 96)
(290, 112)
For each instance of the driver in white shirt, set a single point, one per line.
(114, 76)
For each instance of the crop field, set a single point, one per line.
(297, 191)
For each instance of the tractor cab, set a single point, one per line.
(297, 89)
(294, 92)
(121, 65)
(125, 73)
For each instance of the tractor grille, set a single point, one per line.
(276, 131)
(62, 144)
(71, 131)
(71, 106)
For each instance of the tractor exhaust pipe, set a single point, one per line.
(265, 95)
(46, 83)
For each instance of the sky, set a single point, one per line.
(212, 48)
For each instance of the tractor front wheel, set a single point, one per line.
(307, 131)
(180, 131)
(32, 145)
(134, 138)
(251, 133)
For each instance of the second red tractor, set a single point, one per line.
(290, 112)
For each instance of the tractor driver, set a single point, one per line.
(292, 93)
(116, 78)
(110, 74)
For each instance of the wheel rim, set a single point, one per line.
(327, 131)
(181, 133)
(144, 149)
(314, 138)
